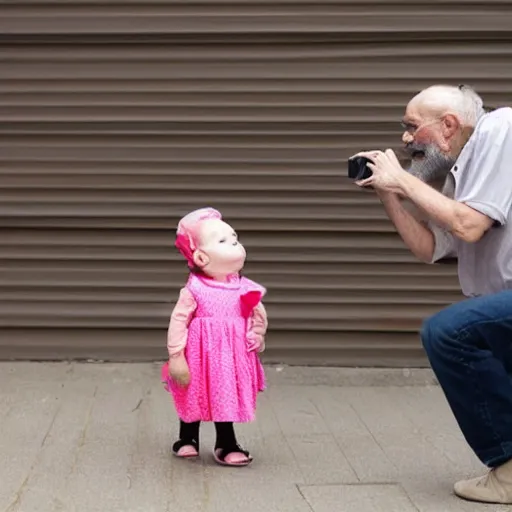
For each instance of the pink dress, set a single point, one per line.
(219, 325)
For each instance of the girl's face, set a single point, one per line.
(219, 253)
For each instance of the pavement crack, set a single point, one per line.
(14, 505)
(303, 496)
(83, 435)
(43, 442)
(138, 405)
(409, 497)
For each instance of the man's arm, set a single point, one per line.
(416, 236)
(465, 222)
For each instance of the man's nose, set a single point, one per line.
(407, 138)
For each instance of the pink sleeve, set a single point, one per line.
(258, 324)
(178, 325)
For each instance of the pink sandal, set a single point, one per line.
(232, 457)
(185, 450)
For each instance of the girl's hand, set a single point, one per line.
(179, 370)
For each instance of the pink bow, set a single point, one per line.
(185, 247)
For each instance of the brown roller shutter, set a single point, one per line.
(119, 116)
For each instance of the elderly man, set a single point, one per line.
(469, 344)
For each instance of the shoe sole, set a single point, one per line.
(474, 500)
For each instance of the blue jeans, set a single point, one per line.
(469, 345)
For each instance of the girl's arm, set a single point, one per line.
(177, 337)
(258, 324)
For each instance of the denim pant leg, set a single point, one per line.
(469, 345)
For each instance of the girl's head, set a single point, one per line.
(210, 244)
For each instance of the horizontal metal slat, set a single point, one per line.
(193, 113)
(130, 213)
(239, 155)
(159, 254)
(234, 4)
(172, 127)
(157, 281)
(30, 100)
(266, 7)
(268, 23)
(204, 169)
(263, 51)
(145, 239)
(458, 70)
(438, 275)
(125, 223)
(29, 184)
(344, 86)
(317, 299)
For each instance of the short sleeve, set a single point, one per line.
(444, 243)
(248, 285)
(485, 183)
(251, 295)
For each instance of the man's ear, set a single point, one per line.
(450, 126)
(200, 258)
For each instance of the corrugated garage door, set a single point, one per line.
(117, 117)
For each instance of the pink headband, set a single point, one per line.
(186, 233)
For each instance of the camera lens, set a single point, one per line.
(358, 168)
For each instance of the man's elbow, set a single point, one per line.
(425, 250)
(471, 226)
(471, 232)
(470, 236)
(425, 258)
(425, 255)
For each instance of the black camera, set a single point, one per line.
(358, 168)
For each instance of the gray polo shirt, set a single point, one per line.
(482, 179)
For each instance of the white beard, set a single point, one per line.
(433, 167)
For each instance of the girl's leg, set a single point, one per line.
(188, 444)
(227, 450)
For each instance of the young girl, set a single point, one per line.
(215, 333)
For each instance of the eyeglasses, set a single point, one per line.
(412, 128)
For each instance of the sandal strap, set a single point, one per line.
(224, 452)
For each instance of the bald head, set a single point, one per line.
(438, 122)
(438, 100)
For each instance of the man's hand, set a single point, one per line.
(179, 370)
(387, 171)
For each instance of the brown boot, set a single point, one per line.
(494, 487)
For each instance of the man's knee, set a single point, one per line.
(460, 325)
(437, 332)
(427, 333)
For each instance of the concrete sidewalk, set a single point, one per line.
(96, 437)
